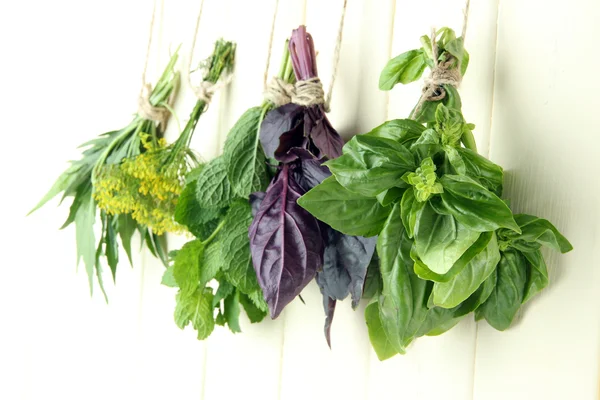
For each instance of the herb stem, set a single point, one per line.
(215, 232)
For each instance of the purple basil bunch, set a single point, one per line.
(289, 246)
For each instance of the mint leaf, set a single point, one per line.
(197, 309)
(254, 313)
(186, 268)
(168, 279)
(231, 311)
(245, 160)
(212, 186)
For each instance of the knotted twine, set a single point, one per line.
(445, 73)
(308, 92)
(146, 110)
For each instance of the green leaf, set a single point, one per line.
(343, 210)
(84, 230)
(425, 273)
(212, 187)
(212, 261)
(254, 313)
(450, 294)
(390, 196)
(479, 168)
(540, 231)
(449, 122)
(403, 299)
(479, 297)
(196, 307)
(428, 145)
(237, 260)
(61, 184)
(258, 299)
(475, 206)
(231, 311)
(244, 157)
(457, 49)
(127, 227)
(371, 165)
(111, 248)
(537, 274)
(404, 131)
(501, 307)
(427, 113)
(410, 211)
(168, 279)
(186, 268)
(405, 68)
(441, 240)
(455, 159)
(225, 289)
(381, 344)
(373, 283)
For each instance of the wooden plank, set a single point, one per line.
(440, 367)
(542, 135)
(356, 106)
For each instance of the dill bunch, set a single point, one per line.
(148, 185)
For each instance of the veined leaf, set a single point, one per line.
(212, 187)
(405, 68)
(379, 340)
(404, 131)
(196, 307)
(343, 210)
(231, 311)
(537, 274)
(244, 158)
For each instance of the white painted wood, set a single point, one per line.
(543, 133)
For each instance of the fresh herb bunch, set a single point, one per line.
(148, 186)
(447, 244)
(289, 246)
(81, 181)
(214, 207)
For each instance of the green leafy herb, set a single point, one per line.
(447, 244)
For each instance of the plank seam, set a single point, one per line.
(489, 148)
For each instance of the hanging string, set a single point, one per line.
(145, 108)
(336, 57)
(206, 89)
(277, 91)
(445, 73)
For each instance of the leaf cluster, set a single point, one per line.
(447, 244)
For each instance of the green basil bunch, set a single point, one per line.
(447, 244)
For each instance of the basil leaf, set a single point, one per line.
(475, 206)
(478, 297)
(343, 210)
(403, 299)
(373, 282)
(539, 231)
(231, 311)
(371, 165)
(410, 211)
(404, 131)
(428, 145)
(501, 307)
(389, 196)
(285, 242)
(244, 158)
(425, 273)
(455, 159)
(345, 262)
(281, 129)
(405, 68)
(479, 168)
(537, 274)
(440, 240)
(318, 128)
(450, 294)
(379, 340)
(212, 187)
(457, 49)
(196, 308)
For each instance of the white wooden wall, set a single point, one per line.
(71, 70)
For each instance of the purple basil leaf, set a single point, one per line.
(310, 173)
(279, 121)
(345, 263)
(329, 306)
(255, 200)
(285, 241)
(322, 134)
